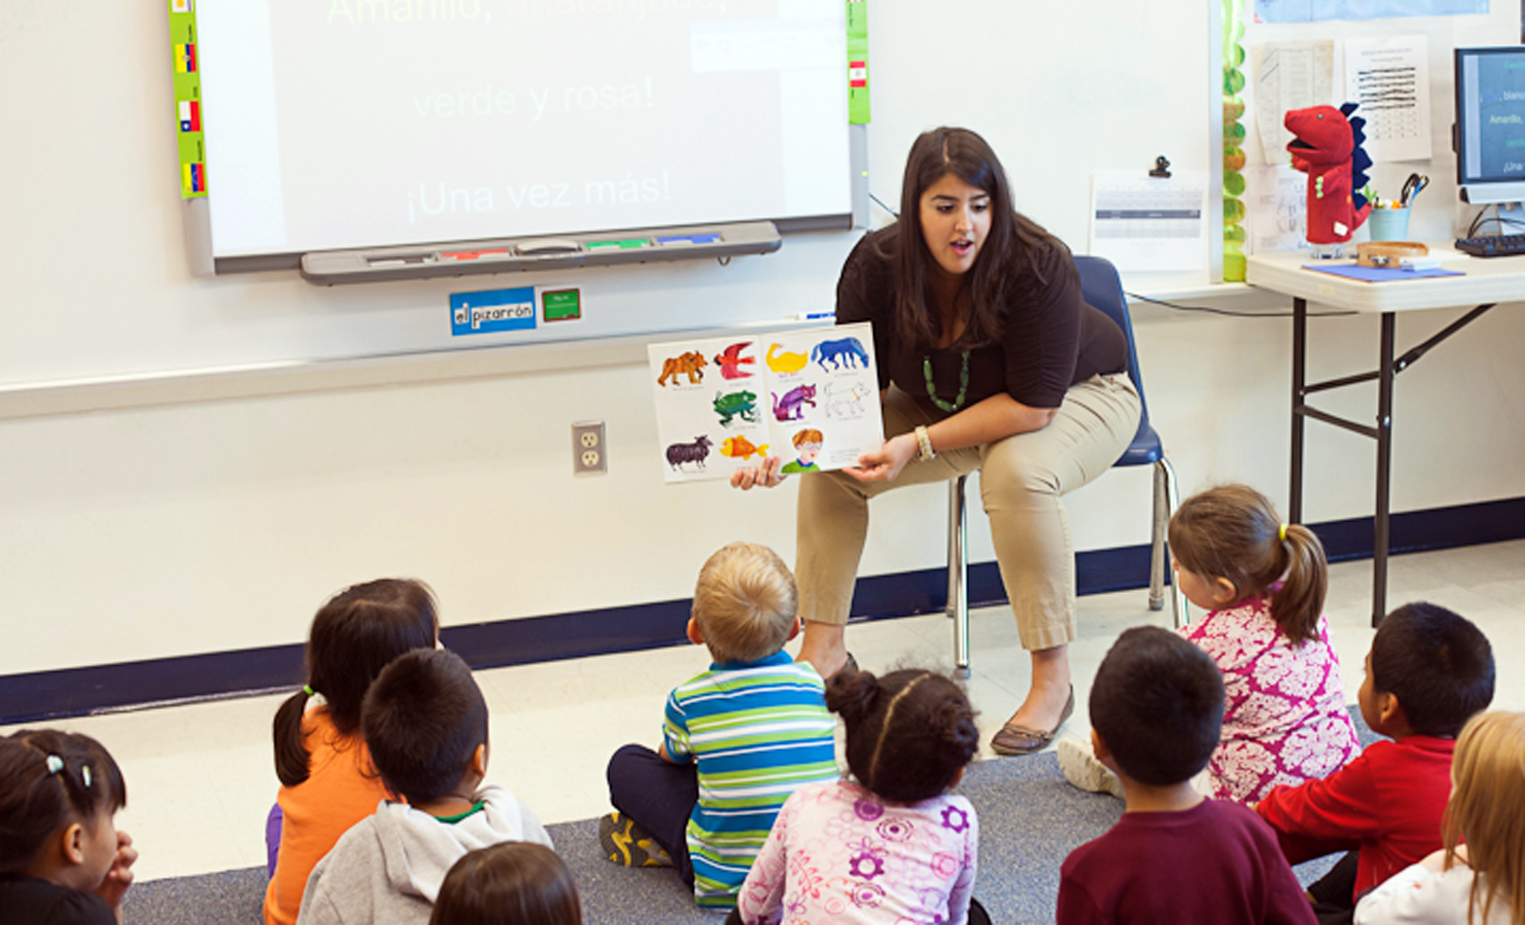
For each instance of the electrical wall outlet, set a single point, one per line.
(588, 453)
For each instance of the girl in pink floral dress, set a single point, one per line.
(891, 844)
(1263, 584)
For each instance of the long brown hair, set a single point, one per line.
(1233, 532)
(1006, 260)
(1487, 811)
(353, 637)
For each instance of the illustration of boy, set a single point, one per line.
(807, 446)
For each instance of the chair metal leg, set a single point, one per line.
(958, 575)
(1157, 564)
(1165, 478)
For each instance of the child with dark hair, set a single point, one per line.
(61, 859)
(892, 844)
(1175, 856)
(515, 883)
(327, 781)
(1262, 584)
(737, 740)
(425, 722)
(1429, 670)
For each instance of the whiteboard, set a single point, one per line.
(99, 288)
(363, 124)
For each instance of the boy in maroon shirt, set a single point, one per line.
(1175, 856)
(1428, 671)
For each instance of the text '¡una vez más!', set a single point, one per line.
(441, 199)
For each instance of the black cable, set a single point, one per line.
(1232, 314)
(881, 205)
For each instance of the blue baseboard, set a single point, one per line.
(47, 695)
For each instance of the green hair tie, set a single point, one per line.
(307, 689)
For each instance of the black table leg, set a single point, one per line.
(1299, 376)
(1384, 469)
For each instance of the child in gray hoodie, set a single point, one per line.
(425, 723)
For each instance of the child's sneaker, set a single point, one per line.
(628, 844)
(1081, 768)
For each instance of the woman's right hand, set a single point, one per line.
(764, 476)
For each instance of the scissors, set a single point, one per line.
(1411, 188)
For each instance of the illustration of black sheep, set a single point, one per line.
(680, 453)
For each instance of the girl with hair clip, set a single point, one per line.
(513, 883)
(61, 859)
(1481, 882)
(327, 781)
(1262, 583)
(891, 844)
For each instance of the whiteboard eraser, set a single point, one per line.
(548, 247)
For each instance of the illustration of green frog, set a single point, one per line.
(743, 404)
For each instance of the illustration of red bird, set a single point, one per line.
(731, 360)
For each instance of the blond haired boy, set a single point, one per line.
(738, 738)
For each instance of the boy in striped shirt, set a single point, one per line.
(738, 738)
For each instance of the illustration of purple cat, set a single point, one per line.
(792, 406)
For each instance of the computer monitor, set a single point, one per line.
(1490, 124)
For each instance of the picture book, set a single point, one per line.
(809, 396)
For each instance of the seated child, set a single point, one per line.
(1262, 585)
(425, 723)
(516, 882)
(893, 844)
(1480, 875)
(61, 859)
(1175, 856)
(738, 738)
(1428, 671)
(327, 781)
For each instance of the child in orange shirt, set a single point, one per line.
(328, 782)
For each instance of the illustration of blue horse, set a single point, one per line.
(847, 353)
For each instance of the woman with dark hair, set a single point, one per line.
(989, 361)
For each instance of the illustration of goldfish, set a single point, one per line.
(739, 447)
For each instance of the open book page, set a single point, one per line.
(810, 397)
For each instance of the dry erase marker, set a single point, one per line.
(815, 316)
(680, 239)
(627, 244)
(486, 253)
(401, 260)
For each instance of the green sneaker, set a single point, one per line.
(629, 845)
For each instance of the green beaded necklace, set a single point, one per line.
(963, 384)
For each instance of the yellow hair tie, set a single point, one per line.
(1282, 533)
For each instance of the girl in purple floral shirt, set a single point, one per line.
(1263, 584)
(892, 844)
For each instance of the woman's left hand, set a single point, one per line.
(885, 463)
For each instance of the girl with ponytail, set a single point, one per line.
(891, 843)
(327, 781)
(1262, 583)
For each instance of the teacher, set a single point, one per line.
(988, 360)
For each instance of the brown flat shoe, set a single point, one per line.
(1022, 740)
(850, 665)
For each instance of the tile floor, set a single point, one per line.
(201, 779)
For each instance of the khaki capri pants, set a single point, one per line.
(1022, 478)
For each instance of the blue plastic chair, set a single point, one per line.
(1101, 287)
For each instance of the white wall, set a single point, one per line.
(217, 513)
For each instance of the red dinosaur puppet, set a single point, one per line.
(1327, 147)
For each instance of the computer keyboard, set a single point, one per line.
(1503, 245)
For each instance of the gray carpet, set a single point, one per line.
(1030, 819)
